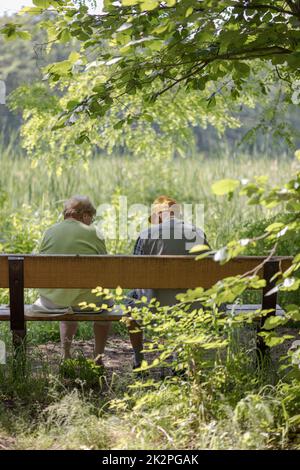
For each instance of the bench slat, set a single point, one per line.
(173, 272)
(116, 316)
(247, 308)
(109, 316)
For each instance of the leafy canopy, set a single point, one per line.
(152, 47)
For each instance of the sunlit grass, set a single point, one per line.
(187, 180)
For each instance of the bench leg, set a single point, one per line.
(17, 320)
(19, 352)
(268, 302)
(19, 339)
(262, 350)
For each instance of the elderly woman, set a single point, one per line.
(74, 235)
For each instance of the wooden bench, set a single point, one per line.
(18, 272)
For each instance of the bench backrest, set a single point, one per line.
(69, 271)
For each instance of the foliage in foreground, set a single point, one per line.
(227, 406)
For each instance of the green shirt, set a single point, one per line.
(71, 237)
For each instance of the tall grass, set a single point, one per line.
(188, 180)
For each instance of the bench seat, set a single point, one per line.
(251, 308)
(110, 316)
(58, 316)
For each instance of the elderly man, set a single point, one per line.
(75, 235)
(168, 234)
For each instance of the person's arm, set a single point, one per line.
(42, 246)
(138, 247)
(201, 236)
(136, 294)
(100, 243)
(206, 241)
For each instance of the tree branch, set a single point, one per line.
(185, 77)
(254, 53)
(264, 7)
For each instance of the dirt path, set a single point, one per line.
(6, 443)
(118, 353)
(118, 356)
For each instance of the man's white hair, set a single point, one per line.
(78, 205)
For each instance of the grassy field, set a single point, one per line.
(228, 405)
(187, 180)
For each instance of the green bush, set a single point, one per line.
(286, 246)
(82, 370)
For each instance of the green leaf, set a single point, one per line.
(161, 28)
(258, 283)
(83, 137)
(24, 35)
(273, 322)
(119, 291)
(294, 420)
(189, 11)
(9, 30)
(148, 117)
(272, 341)
(72, 104)
(242, 68)
(295, 315)
(129, 3)
(64, 36)
(197, 248)
(224, 186)
(100, 89)
(294, 60)
(149, 4)
(119, 124)
(203, 255)
(219, 344)
(42, 3)
(29, 11)
(73, 57)
(61, 68)
(275, 227)
(292, 307)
